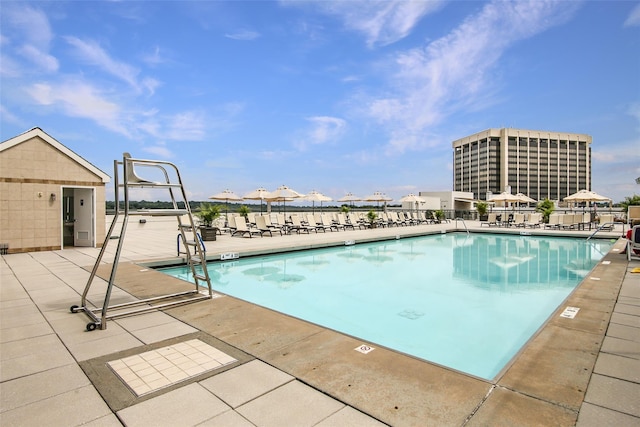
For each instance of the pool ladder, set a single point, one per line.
(608, 226)
(194, 247)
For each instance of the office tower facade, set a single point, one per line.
(540, 164)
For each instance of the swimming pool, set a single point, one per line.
(465, 301)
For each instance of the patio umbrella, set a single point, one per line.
(525, 199)
(349, 197)
(314, 196)
(226, 195)
(378, 197)
(257, 194)
(412, 198)
(586, 196)
(284, 194)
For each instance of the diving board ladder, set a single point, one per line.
(126, 180)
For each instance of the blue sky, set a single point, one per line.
(334, 96)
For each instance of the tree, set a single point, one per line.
(546, 207)
(630, 201)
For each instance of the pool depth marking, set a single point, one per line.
(364, 349)
(570, 312)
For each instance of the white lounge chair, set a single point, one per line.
(242, 227)
(261, 225)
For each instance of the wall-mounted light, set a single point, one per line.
(52, 197)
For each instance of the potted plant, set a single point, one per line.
(481, 208)
(439, 215)
(371, 217)
(244, 211)
(546, 207)
(208, 213)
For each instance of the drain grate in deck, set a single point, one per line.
(153, 370)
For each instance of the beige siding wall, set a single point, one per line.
(29, 173)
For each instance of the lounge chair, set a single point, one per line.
(310, 220)
(267, 220)
(554, 221)
(328, 222)
(243, 228)
(231, 224)
(567, 221)
(298, 226)
(342, 221)
(492, 219)
(534, 220)
(518, 220)
(606, 222)
(261, 225)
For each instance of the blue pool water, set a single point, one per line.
(469, 302)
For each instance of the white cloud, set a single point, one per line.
(43, 60)
(381, 22)
(9, 117)
(323, 130)
(92, 53)
(245, 35)
(80, 99)
(454, 72)
(9, 67)
(155, 58)
(186, 126)
(633, 20)
(159, 150)
(32, 31)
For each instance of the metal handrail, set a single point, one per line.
(463, 223)
(601, 226)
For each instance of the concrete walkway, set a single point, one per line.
(229, 363)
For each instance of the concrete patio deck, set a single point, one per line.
(243, 365)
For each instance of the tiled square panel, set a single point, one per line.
(150, 371)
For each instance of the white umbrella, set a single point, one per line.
(586, 196)
(226, 195)
(504, 197)
(284, 194)
(378, 197)
(412, 198)
(314, 196)
(258, 194)
(525, 199)
(349, 197)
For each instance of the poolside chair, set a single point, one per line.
(326, 221)
(633, 244)
(298, 226)
(271, 225)
(310, 220)
(554, 221)
(518, 220)
(492, 219)
(567, 221)
(231, 224)
(342, 221)
(243, 228)
(261, 225)
(606, 222)
(316, 221)
(534, 220)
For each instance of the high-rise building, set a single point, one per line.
(540, 164)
